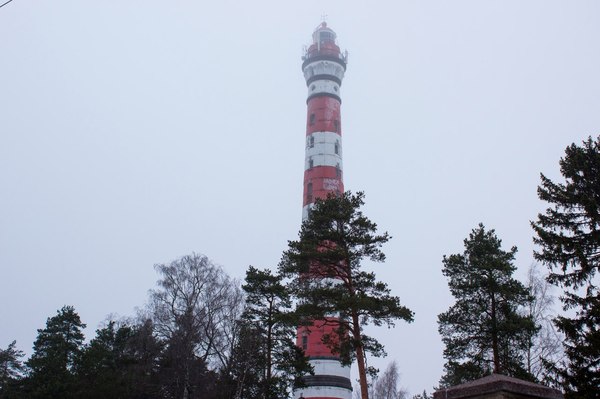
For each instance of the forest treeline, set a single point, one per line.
(180, 345)
(205, 335)
(197, 337)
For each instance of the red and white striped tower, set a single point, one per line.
(324, 66)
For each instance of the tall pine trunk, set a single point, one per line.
(269, 365)
(360, 358)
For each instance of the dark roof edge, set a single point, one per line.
(498, 383)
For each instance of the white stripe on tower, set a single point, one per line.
(323, 86)
(323, 149)
(324, 67)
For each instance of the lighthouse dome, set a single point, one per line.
(324, 47)
(324, 34)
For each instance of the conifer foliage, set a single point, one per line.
(11, 368)
(56, 352)
(568, 235)
(270, 328)
(325, 265)
(483, 331)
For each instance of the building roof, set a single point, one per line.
(497, 383)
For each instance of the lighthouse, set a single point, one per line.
(323, 66)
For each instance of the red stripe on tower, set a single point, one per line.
(324, 67)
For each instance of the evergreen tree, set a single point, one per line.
(99, 371)
(267, 310)
(143, 349)
(244, 376)
(56, 350)
(112, 365)
(568, 235)
(483, 331)
(11, 370)
(183, 377)
(332, 244)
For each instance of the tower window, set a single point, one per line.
(311, 141)
(336, 125)
(338, 171)
(304, 342)
(310, 163)
(336, 147)
(312, 119)
(327, 36)
(309, 192)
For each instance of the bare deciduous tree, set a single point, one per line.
(546, 344)
(386, 386)
(194, 310)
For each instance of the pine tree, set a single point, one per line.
(99, 370)
(267, 310)
(332, 244)
(56, 351)
(244, 376)
(568, 234)
(115, 365)
(11, 369)
(483, 331)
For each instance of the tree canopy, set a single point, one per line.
(195, 310)
(268, 364)
(483, 332)
(386, 385)
(55, 352)
(545, 344)
(325, 265)
(568, 236)
(121, 361)
(11, 368)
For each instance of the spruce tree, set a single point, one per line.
(483, 332)
(568, 235)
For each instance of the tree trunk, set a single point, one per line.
(495, 352)
(360, 359)
(240, 386)
(186, 383)
(269, 360)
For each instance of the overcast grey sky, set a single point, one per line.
(135, 132)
